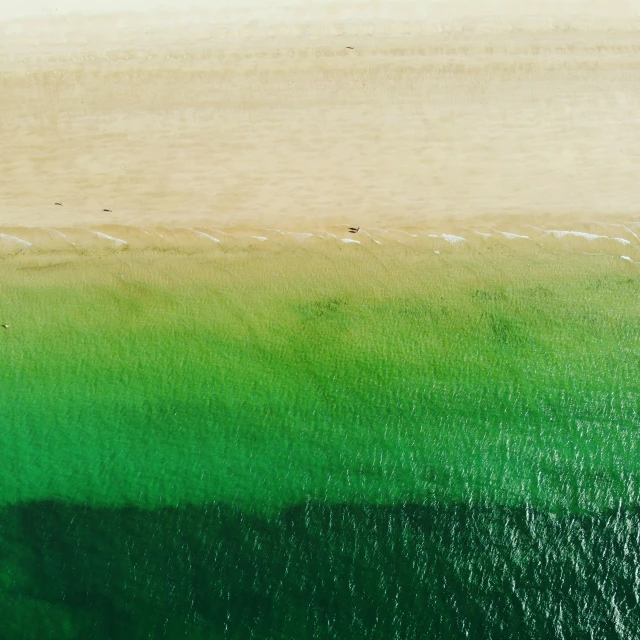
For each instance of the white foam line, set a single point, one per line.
(350, 241)
(55, 232)
(366, 233)
(484, 235)
(451, 239)
(589, 236)
(295, 234)
(261, 238)
(12, 239)
(512, 236)
(206, 236)
(579, 234)
(627, 258)
(118, 241)
(130, 226)
(619, 226)
(299, 236)
(139, 229)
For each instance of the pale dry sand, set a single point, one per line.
(188, 123)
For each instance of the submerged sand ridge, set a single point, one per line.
(257, 126)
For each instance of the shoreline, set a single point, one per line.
(620, 238)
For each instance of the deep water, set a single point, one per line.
(318, 571)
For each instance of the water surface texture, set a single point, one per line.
(317, 439)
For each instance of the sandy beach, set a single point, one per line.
(191, 121)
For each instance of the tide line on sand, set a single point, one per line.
(19, 239)
(13, 240)
(206, 236)
(104, 236)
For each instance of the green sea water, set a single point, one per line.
(310, 443)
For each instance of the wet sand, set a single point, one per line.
(280, 126)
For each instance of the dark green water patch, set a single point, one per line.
(317, 571)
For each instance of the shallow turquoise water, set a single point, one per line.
(269, 447)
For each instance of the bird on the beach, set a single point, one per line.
(354, 229)
(58, 203)
(107, 210)
(351, 47)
